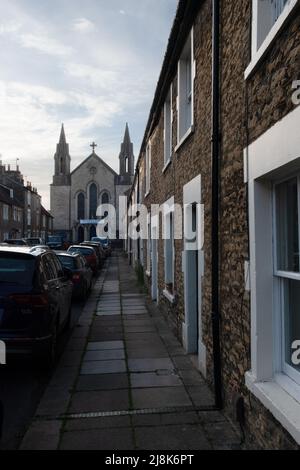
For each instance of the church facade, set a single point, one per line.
(75, 195)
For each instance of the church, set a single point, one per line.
(75, 195)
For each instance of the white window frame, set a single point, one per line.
(268, 159)
(168, 129)
(169, 247)
(149, 246)
(148, 168)
(264, 30)
(183, 132)
(280, 277)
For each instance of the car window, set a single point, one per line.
(67, 261)
(58, 266)
(83, 251)
(16, 269)
(49, 268)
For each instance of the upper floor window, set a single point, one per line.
(267, 13)
(168, 127)
(80, 206)
(5, 212)
(185, 89)
(93, 201)
(148, 167)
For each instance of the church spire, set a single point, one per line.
(62, 138)
(126, 135)
(62, 161)
(126, 157)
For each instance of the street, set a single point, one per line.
(21, 388)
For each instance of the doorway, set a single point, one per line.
(154, 256)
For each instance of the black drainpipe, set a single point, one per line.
(215, 202)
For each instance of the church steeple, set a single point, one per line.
(126, 158)
(62, 139)
(62, 161)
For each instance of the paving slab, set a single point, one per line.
(104, 422)
(104, 355)
(143, 353)
(173, 437)
(149, 364)
(100, 400)
(98, 439)
(42, 435)
(102, 382)
(201, 395)
(160, 419)
(103, 367)
(160, 397)
(152, 379)
(103, 345)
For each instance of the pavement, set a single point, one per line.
(124, 382)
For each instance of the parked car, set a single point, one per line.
(82, 273)
(33, 241)
(105, 242)
(55, 242)
(89, 254)
(35, 301)
(16, 241)
(98, 249)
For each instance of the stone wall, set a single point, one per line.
(248, 108)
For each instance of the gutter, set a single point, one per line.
(215, 204)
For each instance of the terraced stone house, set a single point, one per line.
(222, 141)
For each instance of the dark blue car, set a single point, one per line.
(35, 301)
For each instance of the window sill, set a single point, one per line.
(279, 402)
(167, 165)
(189, 132)
(171, 298)
(271, 36)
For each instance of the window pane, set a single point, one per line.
(93, 201)
(81, 204)
(291, 321)
(287, 226)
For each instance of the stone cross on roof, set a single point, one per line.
(93, 145)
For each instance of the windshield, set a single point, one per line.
(16, 269)
(54, 239)
(67, 261)
(83, 251)
(104, 241)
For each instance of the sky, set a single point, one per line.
(92, 65)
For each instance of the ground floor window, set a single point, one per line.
(287, 271)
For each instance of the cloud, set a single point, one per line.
(9, 27)
(122, 12)
(83, 25)
(44, 44)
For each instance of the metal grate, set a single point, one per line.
(145, 411)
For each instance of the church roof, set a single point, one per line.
(97, 157)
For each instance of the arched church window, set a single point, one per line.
(126, 164)
(80, 206)
(93, 201)
(105, 198)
